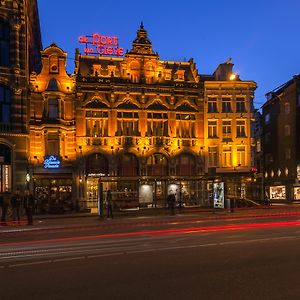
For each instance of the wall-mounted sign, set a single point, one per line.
(101, 45)
(52, 162)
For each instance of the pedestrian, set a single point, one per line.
(28, 204)
(15, 202)
(109, 204)
(171, 202)
(4, 201)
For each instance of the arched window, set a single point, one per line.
(185, 165)
(4, 44)
(128, 165)
(97, 164)
(157, 165)
(5, 104)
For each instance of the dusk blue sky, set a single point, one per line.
(261, 36)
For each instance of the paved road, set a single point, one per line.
(180, 259)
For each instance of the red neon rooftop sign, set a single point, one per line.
(101, 45)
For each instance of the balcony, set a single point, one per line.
(96, 141)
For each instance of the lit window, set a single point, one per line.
(241, 155)
(212, 156)
(286, 171)
(226, 129)
(4, 44)
(53, 144)
(241, 128)
(212, 129)
(278, 172)
(227, 156)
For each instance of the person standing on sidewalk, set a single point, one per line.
(15, 202)
(171, 202)
(28, 204)
(109, 204)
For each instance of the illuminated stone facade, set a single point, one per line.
(142, 126)
(20, 45)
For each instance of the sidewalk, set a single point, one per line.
(147, 217)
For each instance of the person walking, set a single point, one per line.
(28, 204)
(171, 202)
(109, 204)
(15, 202)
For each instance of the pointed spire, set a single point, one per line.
(142, 44)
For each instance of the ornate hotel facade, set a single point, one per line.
(140, 125)
(20, 46)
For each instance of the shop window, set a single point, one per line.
(4, 44)
(278, 192)
(5, 106)
(53, 147)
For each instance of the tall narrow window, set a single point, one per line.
(53, 108)
(4, 44)
(226, 105)
(53, 144)
(287, 108)
(212, 156)
(212, 129)
(287, 130)
(226, 129)
(212, 105)
(5, 104)
(240, 128)
(240, 105)
(227, 156)
(241, 155)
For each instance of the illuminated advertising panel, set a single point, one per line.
(103, 45)
(52, 162)
(218, 194)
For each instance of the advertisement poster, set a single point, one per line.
(218, 194)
